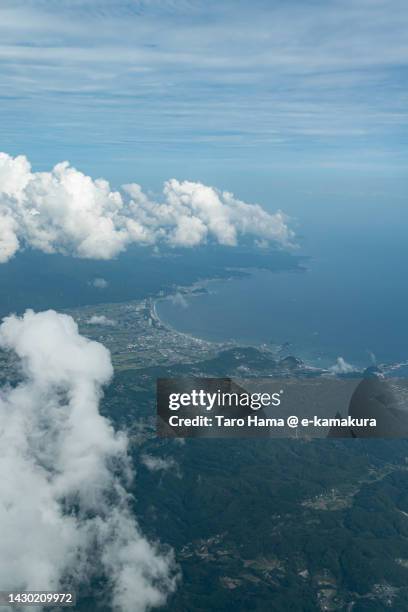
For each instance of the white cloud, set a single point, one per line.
(9, 243)
(99, 283)
(342, 367)
(67, 212)
(178, 299)
(64, 511)
(158, 464)
(101, 320)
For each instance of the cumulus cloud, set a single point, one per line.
(101, 320)
(9, 243)
(67, 212)
(64, 509)
(342, 367)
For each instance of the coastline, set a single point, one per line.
(198, 288)
(156, 318)
(272, 349)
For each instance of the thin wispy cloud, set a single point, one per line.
(236, 74)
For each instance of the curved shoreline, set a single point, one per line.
(219, 346)
(155, 317)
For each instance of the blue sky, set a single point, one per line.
(228, 92)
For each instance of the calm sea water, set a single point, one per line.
(352, 301)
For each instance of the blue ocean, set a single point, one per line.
(350, 301)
